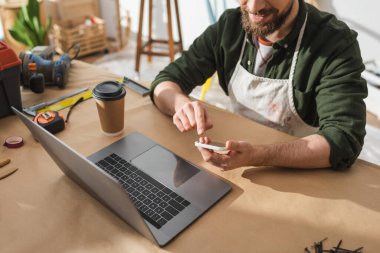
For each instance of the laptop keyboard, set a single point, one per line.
(156, 202)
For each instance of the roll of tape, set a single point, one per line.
(13, 142)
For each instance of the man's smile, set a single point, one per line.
(261, 18)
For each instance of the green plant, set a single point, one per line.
(28, 28)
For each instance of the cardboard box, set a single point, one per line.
(88, 31)
(77, 21)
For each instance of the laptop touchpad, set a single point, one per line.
(166, 167)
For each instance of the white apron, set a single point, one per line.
(268, 101)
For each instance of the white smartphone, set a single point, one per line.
(215, 146)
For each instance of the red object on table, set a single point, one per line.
(10, 69)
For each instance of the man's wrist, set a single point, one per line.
(258, 156)
(167, 97)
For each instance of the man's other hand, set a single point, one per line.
(240, 154)
(192, 115)
(187, 114)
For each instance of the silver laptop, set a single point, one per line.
(149, 187)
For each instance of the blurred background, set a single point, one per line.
(108, 31)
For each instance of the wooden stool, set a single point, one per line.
(174, 46)
(8, 16)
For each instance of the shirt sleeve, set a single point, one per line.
(340, 105)
(195, 65)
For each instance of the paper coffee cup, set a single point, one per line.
(110, 97)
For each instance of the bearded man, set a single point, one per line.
(284, 64)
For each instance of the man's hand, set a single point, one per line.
(309, 152)
(240, 153)
(187, 114)
(192, 115)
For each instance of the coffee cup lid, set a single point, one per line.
(109, 90)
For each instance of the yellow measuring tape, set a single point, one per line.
(70, 101)
(67, 102)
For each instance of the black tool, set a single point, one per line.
(139, 88)
(39, 69)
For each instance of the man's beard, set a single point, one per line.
(264, 29)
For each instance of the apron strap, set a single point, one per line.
(295, 56)
(291, 76)
(242, 49)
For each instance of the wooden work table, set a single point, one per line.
(268, 210)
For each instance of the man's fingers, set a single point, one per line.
(218, 160)
(206, 153)
(190, 112)
(177, 122)
(191, 115)
(181, 115)
(205, 139)
(199, 117)
(221, 159)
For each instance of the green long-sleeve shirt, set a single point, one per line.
(328, 89)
